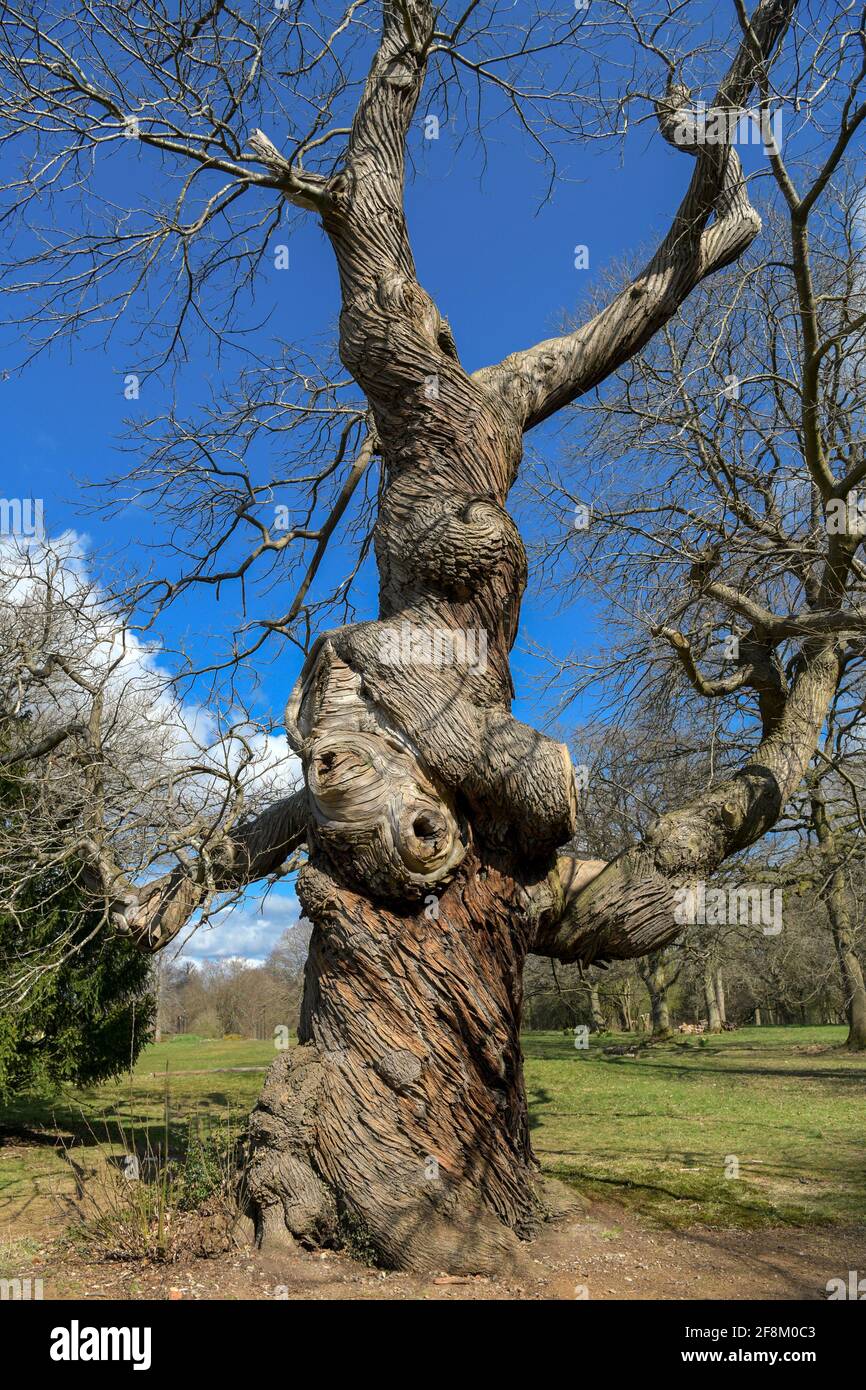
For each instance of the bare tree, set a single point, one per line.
(847, 931)
(100, 761)
(830, 811)
(432, 817)
(660, 974)
(729, 559)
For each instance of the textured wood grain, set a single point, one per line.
(435, 814)
(402, 1114)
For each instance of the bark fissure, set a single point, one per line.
(408, 1078)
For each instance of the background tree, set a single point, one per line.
(830, 863)
(106, 759)
(659, 973)
(841, 905)
(91, 1010)
(722, 553)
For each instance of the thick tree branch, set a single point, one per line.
(253, 850)
(627, 909)
(542, 379)
(44, 745)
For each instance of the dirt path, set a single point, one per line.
(604, 1254)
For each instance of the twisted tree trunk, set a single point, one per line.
(400, 1121)
(434, 816)
(431, 816)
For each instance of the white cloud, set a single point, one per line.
(139, 679)
(248, 931)
(158, 748)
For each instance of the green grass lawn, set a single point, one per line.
(657, 1131)
(184, 1081)
(174, 1084)
(654, 1131)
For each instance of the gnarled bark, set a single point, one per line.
(402, 1114)
(433, 815)
(401, 1117)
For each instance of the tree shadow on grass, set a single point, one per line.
(132, 1123)
(648, 1068)
(536, 1096)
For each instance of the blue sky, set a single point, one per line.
(501, 268)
